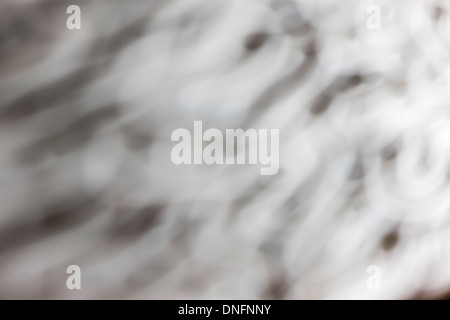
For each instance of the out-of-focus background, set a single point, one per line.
(358, 89)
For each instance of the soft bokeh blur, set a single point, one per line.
(86, 176)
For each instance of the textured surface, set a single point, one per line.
(85, 170)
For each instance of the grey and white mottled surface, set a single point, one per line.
(85, 170)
